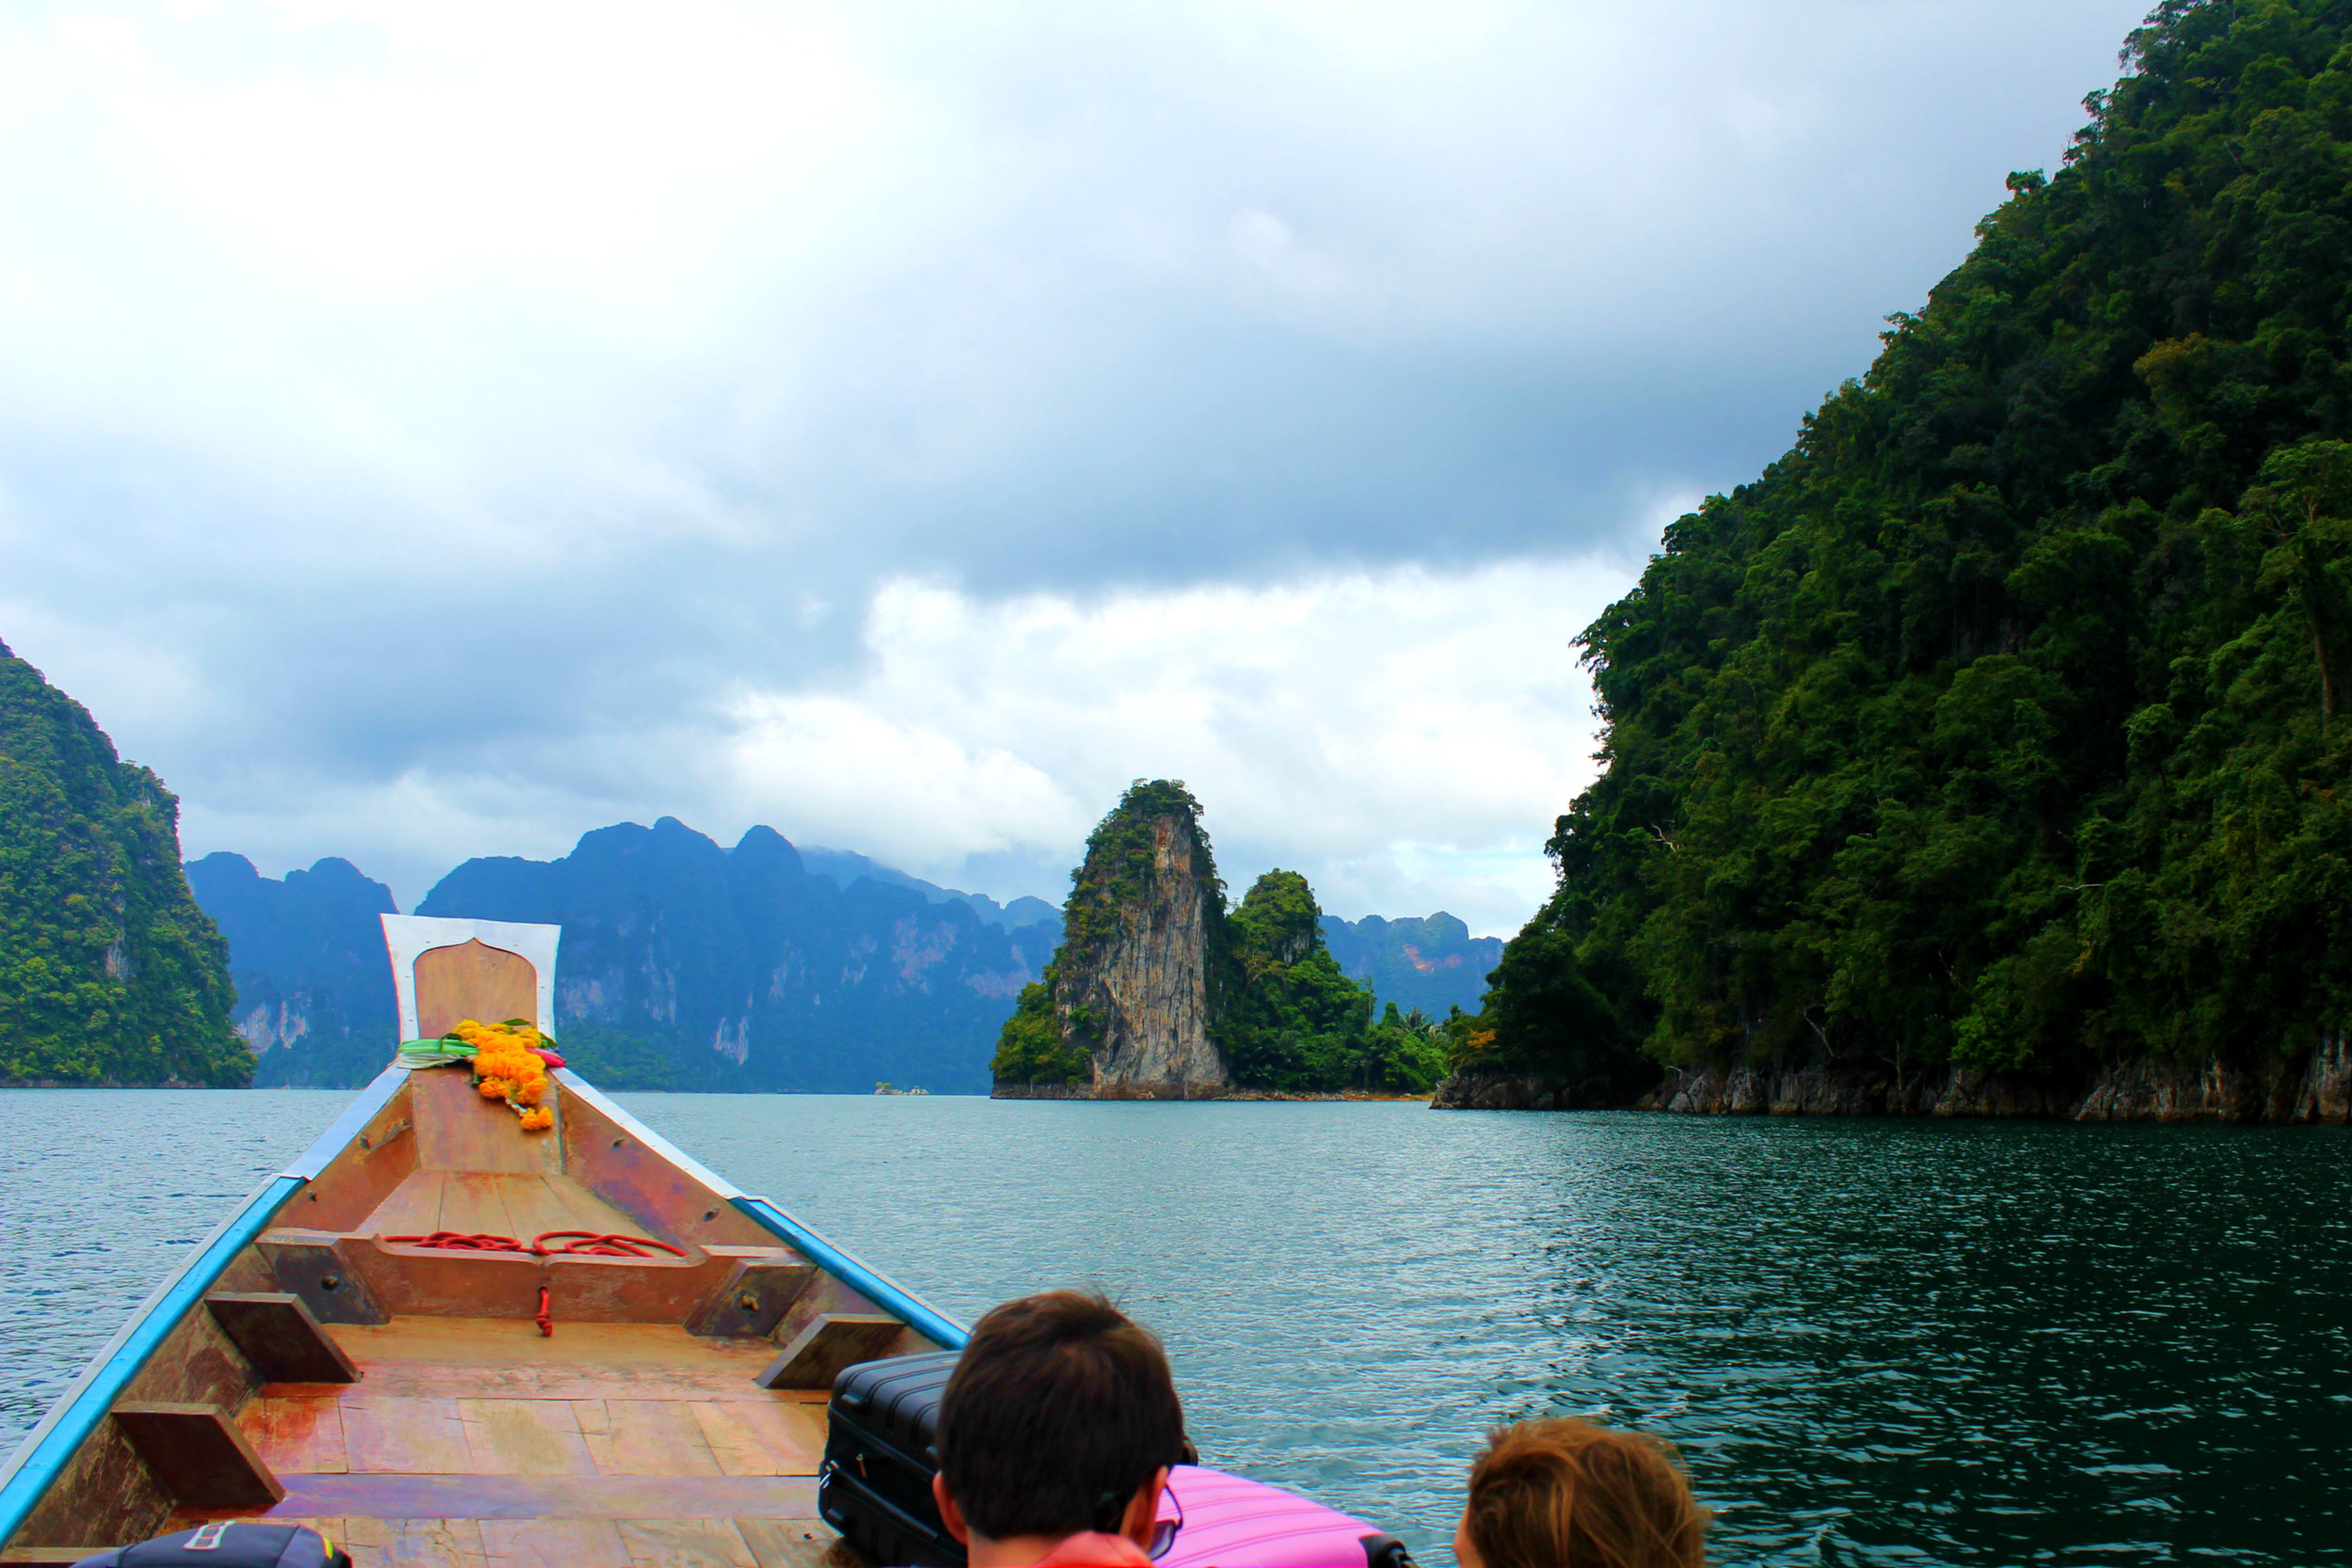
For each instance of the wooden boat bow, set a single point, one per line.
(675, 1416)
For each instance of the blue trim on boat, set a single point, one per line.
(855, 1273)
(59, 1437)
(46, 1451)
(864, 1279)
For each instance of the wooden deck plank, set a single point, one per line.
(524, 1438)
(303, 1433)
(414, 1544)
(414, 1208)
(505, 1343)
(790, 1542)
(645, 1437)
(405, 1438)
(560, 1203)
(531, 1208)
(554, 1543)
(410, 1381)
(359, 1496)
(474, 1203)
(685, 1543)
(761, 1439)
(497, 1358)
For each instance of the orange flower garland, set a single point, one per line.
(504, 1067)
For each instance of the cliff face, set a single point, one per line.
(1137, 982)
(689, 966)
(109, 973)
(1158, 993)
(314, 990)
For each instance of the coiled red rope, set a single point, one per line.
(584, 1243)
(580, 1243)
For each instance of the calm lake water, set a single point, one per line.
(1876, 1342)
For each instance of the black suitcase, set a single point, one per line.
(881, 1435)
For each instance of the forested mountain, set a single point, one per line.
(2000, 726)
(845, 867)
(1158, 990)
(1433, 963)
(688, 966)
(314, 988)
(109, 973)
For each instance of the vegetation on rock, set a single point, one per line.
(109, 973)
(1999, 724)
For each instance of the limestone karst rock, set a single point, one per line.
(1137, 979)
(1158, 993)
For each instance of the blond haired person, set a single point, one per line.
(1568, 1494)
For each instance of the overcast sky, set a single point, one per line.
(437, 430)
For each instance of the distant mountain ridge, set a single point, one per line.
(314, 989)
(1432, 963)
(846, 866)
(688, 965)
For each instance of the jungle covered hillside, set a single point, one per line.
(109, 973)
(2003, 723)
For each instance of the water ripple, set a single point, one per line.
(1876, 1342)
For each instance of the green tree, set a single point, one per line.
(109, 973)
(1293, 1021)
(1994, 725)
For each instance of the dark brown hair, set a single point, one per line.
(1568, 1494)
(1060, 1408)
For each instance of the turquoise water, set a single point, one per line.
(1876, 1342)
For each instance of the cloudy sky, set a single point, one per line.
(437, 430)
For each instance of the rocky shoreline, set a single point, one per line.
(2314, 1087)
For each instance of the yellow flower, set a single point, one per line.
(538, 1121)
(494, 1089)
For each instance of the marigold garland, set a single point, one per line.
(505, 1067)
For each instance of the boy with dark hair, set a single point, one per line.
(1055, 1435)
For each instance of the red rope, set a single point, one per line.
(582, 1243)
(585, 1243)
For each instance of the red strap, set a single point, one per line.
(546, 1319)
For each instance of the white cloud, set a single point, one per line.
(431, 429)
(1392, 734)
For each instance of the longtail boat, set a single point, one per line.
(642, 1382)
(490, 1319)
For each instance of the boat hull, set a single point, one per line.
(675, 1414)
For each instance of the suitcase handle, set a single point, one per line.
(838, 1517)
